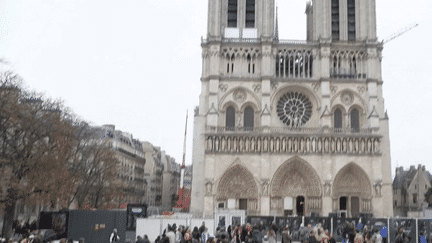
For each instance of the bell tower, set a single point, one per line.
(240, 19)
(282, 125)
(342, 20)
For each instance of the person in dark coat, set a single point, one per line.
(202, 228)
(229, 233)
(312, 238)
(196, 234)
(256, 235)
(351, 232)
(244, 233)
(286, 235)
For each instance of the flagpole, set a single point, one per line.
(182, 170)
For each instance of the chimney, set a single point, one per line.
(399, 170)
(412, 167)
(424, 168)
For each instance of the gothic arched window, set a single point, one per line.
(351, 20)
(248, 118)
(230, 118)
(250, 13)
(232, 13)
(335, 19)
(337, 119)
(355, 120)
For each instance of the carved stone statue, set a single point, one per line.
(378, 185)
(327, 189)
(265, 188)
(209, 187)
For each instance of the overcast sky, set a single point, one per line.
(137, 64)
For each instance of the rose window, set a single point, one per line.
(294, 109)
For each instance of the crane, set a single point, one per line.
(399, 33)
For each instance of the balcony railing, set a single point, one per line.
(287, 130)
(293, 140)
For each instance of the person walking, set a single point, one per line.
(303, 234)
(286, 235)
(256, 235)
(170, 234)
(114, 236)
(271, 236)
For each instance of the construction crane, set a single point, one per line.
(399, 33)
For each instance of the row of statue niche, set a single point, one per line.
(292, 144)
(314, 203)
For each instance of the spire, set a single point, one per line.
(277, 25)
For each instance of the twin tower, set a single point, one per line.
(289, 127)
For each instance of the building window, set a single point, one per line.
(337, 119)
(248, 118)
(250, 13)
(335, 19)
(415, 186)
(230, 63)
(355, 120)
(251, 64)
(414, 197)
(351, 20)
(230, 118)
(232, 13)
(395, 203)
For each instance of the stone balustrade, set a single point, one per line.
(292, 140)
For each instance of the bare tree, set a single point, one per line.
(34, 143)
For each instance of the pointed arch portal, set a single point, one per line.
(295, 178)
(352, 191)
(237, 182)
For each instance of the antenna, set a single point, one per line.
(399, 33)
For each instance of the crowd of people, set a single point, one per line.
(260, 233)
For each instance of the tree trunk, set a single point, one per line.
(8, 219)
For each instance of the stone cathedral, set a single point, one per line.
(291, 127)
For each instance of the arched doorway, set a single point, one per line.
(237, 187)
(352, 191)
(300, 205)
(298, 180)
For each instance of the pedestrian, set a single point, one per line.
(286, 235)
(139, 239)
(170, 234)
(205, 235)
(178, 234)
(202, 228)
(271, 236)
(114, 236)
(359, 237)
(256, 234)
(312, 238)
(196, 234)
(303, 234)
(188, 236)
(351, 232)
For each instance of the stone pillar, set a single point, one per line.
(327, 201)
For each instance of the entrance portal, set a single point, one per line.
(300, 205)
(243, 204)
(343, 203)
(355, 204)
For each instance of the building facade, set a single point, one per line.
(131, 162)
(409, 189)
(153, 174)
(287, 127)
(171, 182)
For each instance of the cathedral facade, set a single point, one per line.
(288, 127)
